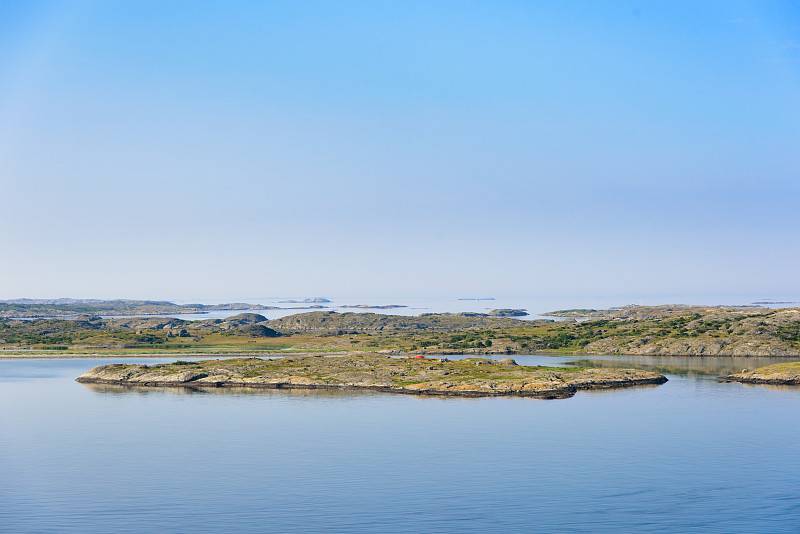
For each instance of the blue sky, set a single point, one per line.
(202, 149)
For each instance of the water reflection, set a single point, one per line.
(686, 366)
(618, 390)
(774, 387)
(694, 366)
(117, 389)
(122, 390)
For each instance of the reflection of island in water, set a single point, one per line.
(295, 393)
(697, 366)
(117, 389)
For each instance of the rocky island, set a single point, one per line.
(66, 307)
(470, 377)
(786, 374)
(374, 306)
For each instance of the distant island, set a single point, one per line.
(576, 312)
(62, 308)
(313, 300)
(508, 312)
(374, 307)
(471, 377)
(669, 330)
(31, 308)
(493, 313)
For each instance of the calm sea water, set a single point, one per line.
(692, 455)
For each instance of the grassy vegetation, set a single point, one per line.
(790, 333)
(466, 377)
(788, 367)
(407, 371)
(108, 336)
(70, 308)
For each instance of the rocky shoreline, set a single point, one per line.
(471, 377)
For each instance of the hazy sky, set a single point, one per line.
(509, 148)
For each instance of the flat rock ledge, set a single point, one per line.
(786, 374)
(470, 377)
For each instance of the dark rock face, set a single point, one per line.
(91, 322)
(258, 330)
(505, 312)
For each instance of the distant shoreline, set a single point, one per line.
(667, 330)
